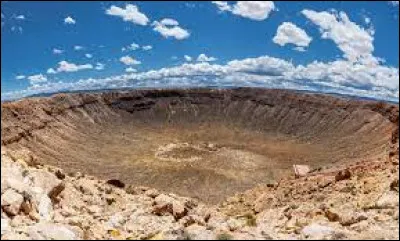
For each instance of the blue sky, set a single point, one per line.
(343, 47)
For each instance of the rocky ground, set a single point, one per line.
(41, 202)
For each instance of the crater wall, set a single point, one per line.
(203, 143)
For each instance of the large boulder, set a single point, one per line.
(5, 226)
(197, 232)
(45, 207)
(24, 156)
(16, 184)
(165, 204)
(317, 231)
(44, 179)
(53, 232)
(343, 175)
(144, 225)
(11, 202)
(301, 170)
(11, 172)
(14, 236)
(388, 200)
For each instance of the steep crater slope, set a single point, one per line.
(202, 143)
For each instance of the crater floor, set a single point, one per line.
(203, 143)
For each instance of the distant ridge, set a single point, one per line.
(211, 87)
(354, 97)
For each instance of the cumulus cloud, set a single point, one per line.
(16, 29)
(223, 5)
(169, 22)
(130, 13)
(132, 46)
(255, 10)
(289, 33)
(37, 79)
(130, 70)
(394, 3)
(89, 56)
(20, 17)
(355, 42)
(69, 20)
(170, 28)
(58, 51)
(51, 71)
(205, 58)
(12, 20)
(266, 66)
(99, 66)
(339, 76)
(300, 49)
(187, 58)
(147, 47)
(127, 60)
(20, 77)
(347, 74)
(78, 47)
(64, 66)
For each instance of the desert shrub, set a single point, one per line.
(224, 236)
(251, 220)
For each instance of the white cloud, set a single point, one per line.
(223, 5)
(51, 71)
(354, 41)
(205, 58)
(64, 66)
(300, 49)
(190, 5)
(171, 29)
(16, 29)
(132, 46)
(58, 51)
(131, 13)
(89, 56)
(130, 70)
(20, 77)
(78, 47)
(367, 20)
(347, 74)
(69, 20)
(394, 3)
(187, 58)
(169, 22)
(265, 65)
(147, 47)
(340, 76)
(288, 33)
(255, 10)
(20, 17)
(99, 66)
(127, 60)
(36, 79)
